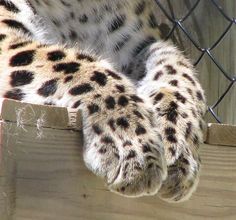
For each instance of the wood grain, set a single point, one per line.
(39, 115)
(221, 134)
(52, 183)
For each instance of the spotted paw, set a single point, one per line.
(182, 179)
(182, 132)
(123, 147)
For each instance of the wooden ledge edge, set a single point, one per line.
(39, 115)
(68, 118)
(221, 134)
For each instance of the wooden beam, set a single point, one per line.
(40, 115)
(221, 134)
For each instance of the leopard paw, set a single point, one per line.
(182, 179)
(123, 147)
(182, 133)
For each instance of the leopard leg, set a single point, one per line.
(121, 142)
(178, 101)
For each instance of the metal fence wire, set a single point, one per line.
(178, 23)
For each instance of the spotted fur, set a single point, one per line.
(141, 102)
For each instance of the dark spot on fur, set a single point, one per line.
(193, 112)
(170, 133)
(16, 25)
(67, 68)
(111, 123)
(102, 150)
(21, 77)
(99, 78)
(117, 155)
(158, 97)
(200, 125)
(113, 75)
(185, 161)
(122, 122)
(56, 55)
(180, 63)
(76, 104)
(152, 21)
(2, 37)
(190, 91)
(146, 148)
(93, 108)
(138, 114)
(120, 88)
(170, 70)
(97, 96)
(110, 102)
(138, 25)
(116, 23)
(123, 101)
(172, 151)
(131, 155)
(174, 82)
(151, 158)
(158, 75)
(19, 45)
(117, 172)
(199, 96)
(122, 189)
(161, 61)
(15, 94)
(189, 78)
(183, 170)
(195, 140)
(127, 143)
(140, 8)
(140, 130)
(85, 57)
(83, 18)
(137, 166)
(188, 130)
(184, 115)
(142, 45)
(170, 130)
(9, 6)
(180, 97)
(22, 58)
(68, 79)
(107, 140)
(171, 112)
(81, 89)
(48, 88)
(73, 35)
(135, 98)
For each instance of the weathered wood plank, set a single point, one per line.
(39, 115)
(221, 134)
(52, 183)
(7, 175)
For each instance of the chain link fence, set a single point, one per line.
(204, 24)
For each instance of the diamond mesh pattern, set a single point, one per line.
(178, 24)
